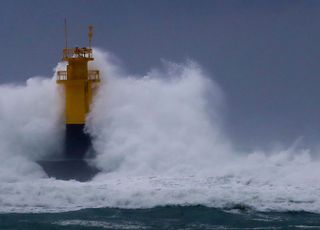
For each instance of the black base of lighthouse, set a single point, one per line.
(77, 141)
(74, 162)
(69, 169)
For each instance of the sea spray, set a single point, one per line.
(159, 141)
(30, 117)
(158, 123)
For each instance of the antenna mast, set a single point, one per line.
(90, 34)
(65, 33)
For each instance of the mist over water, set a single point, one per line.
(159, 140)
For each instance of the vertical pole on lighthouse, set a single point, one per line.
(90, 34)
(65, 33)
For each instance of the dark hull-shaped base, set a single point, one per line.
(77, 142)
(74, 160)
(80, 170)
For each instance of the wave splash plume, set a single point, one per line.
(159, 141)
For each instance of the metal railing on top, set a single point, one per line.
(61, 75)
(77, 53)
(93, 75)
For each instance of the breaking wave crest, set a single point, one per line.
(159, 141)
(160, 122)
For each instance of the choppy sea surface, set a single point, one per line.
(167, 217)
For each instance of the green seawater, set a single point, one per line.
(169, 217)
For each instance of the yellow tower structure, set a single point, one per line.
(79, 84)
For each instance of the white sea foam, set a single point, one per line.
(102, 224)
(159, 140)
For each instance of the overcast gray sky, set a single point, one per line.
(264, 54)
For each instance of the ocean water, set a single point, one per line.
(168, 217)
(165, 161)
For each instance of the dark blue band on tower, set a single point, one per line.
(77, 142)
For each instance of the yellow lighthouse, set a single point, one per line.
(79, 84)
